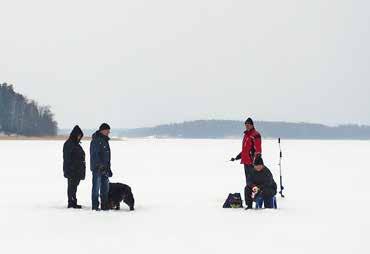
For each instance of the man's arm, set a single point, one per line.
(238, 157)
(257, 146)
(268, 180)
(96, 153)
(67, 159)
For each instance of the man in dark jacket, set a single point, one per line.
(74, 165)
(260, 183)
(100, 157)
(251, 147)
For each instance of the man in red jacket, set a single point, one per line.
(251, 147)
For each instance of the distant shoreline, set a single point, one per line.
(63, 138)
(46, 138)
(225, 129)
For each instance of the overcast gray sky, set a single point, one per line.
(145, 62)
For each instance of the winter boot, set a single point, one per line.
(74, 206)
(249, 205)
(105, 207)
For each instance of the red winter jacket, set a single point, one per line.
(251, 147)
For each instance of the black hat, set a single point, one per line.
(258, 161)
(104, 126)
(249, 121)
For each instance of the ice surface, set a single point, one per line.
(180, 186)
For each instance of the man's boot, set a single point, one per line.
(105, 207)
(249, 205)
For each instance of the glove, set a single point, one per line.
(232, 159)
(255, 189)
(255, 192)
(257, 156)
(105, 171)
(101, 168)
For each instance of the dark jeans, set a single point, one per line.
(72, 190)
(267, 198)
(248, 170)
(100, 187)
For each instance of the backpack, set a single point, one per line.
(233, 201)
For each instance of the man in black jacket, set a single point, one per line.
(260, 183)
(74, 165)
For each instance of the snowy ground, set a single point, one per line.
(180, 186)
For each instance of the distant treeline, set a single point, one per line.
(21, 116)
(218, 129)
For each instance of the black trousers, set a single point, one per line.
(248, 170)
(72, 190)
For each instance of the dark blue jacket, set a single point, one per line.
(100, 154)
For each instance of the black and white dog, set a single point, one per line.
(118, 193)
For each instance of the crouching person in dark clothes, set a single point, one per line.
(100, 158)
(260, 183)
(74, 165)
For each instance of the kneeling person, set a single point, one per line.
(260, 183)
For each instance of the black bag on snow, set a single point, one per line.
(233, 201)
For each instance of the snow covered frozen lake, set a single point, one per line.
(180, 186)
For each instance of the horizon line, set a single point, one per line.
(256, 121)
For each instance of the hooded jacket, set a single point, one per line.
(74, 164)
